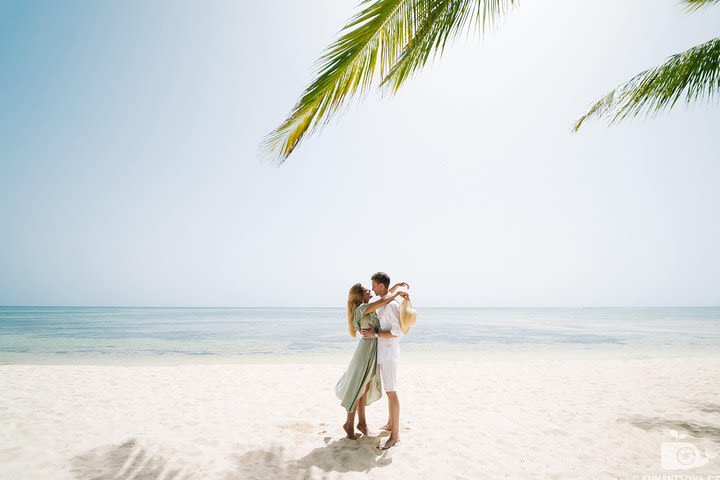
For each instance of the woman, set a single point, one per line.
(360, 384)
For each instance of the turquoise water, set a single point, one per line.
(62, 334)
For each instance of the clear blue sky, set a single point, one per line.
(129, 134)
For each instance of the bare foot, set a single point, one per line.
(387, 427)
(390, 443)
(363, 428)
(350, 431)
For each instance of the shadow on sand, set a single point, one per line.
(130, 460)
(343, 455)
(696, 430)
(709, 407)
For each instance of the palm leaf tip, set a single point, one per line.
(388, 38)
(438, 23)
(344, 70)
(692, 75)
(692, 5)
(277, 146)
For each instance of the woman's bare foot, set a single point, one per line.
(350, 431)
(363, 428)
(391, 442)
(387, 427)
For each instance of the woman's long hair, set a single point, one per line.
(355, 298)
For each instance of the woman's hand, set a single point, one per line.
(367, 333)
(398, 285)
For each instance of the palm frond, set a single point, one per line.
(370, 41)
(439, 22)
(692, 75)
(693, 5)
(392, 38)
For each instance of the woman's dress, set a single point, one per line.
(363, 369)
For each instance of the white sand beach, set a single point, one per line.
(515, 415)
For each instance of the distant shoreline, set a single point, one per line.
(409, 354)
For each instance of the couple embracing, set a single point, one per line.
(375, 357)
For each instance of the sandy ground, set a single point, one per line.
(516, 415)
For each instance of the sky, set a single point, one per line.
(130, 175)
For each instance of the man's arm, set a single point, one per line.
(394, 311)
(387, 334)
(370, 333)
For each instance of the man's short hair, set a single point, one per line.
(381, 277)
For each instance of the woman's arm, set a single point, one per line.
(398, 285)
(382, 302)
(370, 333)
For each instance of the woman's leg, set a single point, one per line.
(348, 425)
(362, 422)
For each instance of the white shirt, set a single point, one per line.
(389, 315)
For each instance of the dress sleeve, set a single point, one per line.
(359, 313)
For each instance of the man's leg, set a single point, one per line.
(394, 402)
(389, 374)
(383, 376)
(388, 425)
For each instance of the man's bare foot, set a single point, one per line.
(391, 442)
(350, 431)
(363, 428)
(387, 427)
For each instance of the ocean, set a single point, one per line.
(109, 334)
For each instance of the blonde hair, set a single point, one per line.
(355, 298)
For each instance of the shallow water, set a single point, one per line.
(60, 334)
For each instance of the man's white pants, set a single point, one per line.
(388, 374)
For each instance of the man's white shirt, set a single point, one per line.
(389, 315)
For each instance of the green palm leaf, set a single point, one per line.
(692, 75)
(693, 5)
(395, 38)
(443, 21)
(371, 39)
(391, 37)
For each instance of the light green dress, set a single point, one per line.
(363, 369)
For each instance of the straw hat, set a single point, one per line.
(408, 316)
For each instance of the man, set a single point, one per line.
(388, 353)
